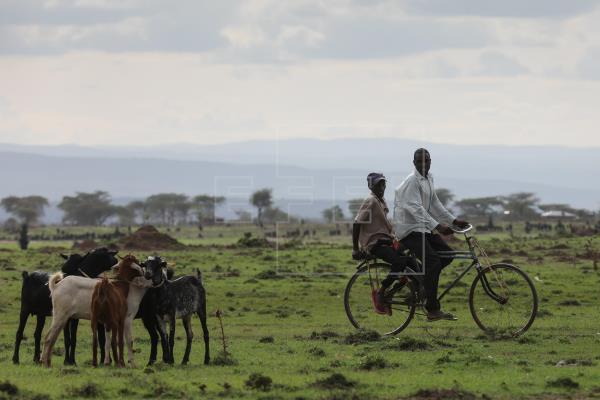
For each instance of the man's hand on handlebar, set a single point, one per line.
(358, 254)
(444, 229)
(460, 223)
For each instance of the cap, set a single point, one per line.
(373, 178)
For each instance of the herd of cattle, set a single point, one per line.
(140, 290)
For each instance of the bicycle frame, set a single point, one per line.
(469, 255)
(460, 255)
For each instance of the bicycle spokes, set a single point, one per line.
(501, 314)
(359, 306)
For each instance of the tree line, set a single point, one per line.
(519, 206)
(96, 208)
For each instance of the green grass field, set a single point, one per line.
(294, 332)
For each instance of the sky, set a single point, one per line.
(111, 72)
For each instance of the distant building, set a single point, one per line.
(556, 214)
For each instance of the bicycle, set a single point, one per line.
(502, 298)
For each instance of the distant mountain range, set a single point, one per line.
(302, 173)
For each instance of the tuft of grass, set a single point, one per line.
(224, 359)
(323, 335)
(565, 382)
(439, 394)
(258, 381)
(9, 388)
(408, 343)
(316, 351)
(87, 391)
(335, 381)
(268, 274)
(362, 336)
(373, 362)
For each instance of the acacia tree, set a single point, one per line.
(521, 205)
(87, 208)
(138, 209)
(205, 206)
(479, 206)
(261, 199)
(168, 207)
(333, 214)
(28, 210)
(125, 214)
(275, 214)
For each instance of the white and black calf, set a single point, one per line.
(179, 298)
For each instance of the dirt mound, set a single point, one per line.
(149, 238)
(85, 245)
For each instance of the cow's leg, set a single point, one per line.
(189, 334)
(58, 323)
(102, 342)
(171, 337)
(94, 326)
(120, 333)
(39, 328)
(107, 345)
(67, 341)
(150, 325)
(202, 316)
(115, 346)
(19, 336)
(74, 323)
(162, 331)
(129, 339)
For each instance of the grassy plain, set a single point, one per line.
(292, 329)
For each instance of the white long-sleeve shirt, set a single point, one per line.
(417, 207)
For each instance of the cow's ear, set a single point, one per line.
(163, 264)
(170, 273)
(66, 257)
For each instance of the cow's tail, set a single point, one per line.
(54, 280)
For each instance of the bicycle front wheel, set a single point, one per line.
(503, 300)
(401, 298)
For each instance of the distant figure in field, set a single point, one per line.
(373, 233)
(419, 218)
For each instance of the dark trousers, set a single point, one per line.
(425, 246)
(391, 256)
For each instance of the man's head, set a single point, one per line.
(422, 161)
(376, 182)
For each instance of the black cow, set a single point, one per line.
(35, 299)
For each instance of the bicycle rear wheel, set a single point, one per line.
(401, 297)
(503, 300)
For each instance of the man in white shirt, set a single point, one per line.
(418, 214)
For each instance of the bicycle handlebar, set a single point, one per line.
(456, 229)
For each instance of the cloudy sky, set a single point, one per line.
(110, 72)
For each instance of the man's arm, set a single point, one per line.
(363, 216)
(355, 235)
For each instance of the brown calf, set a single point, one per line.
(109, 307)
